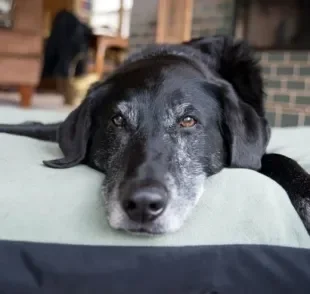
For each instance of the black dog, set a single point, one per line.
(168, 118)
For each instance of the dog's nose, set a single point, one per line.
(145, 205)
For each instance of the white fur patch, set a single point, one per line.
(130, 113)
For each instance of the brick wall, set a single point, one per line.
(287, 85)
(143, 23)
(287, 74)
(212, 17)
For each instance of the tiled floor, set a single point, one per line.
(40, 101)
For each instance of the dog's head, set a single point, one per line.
(168, 118)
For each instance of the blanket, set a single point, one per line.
(65, 206)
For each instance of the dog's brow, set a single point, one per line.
(127, 109)
(181, 108)
(123, 107)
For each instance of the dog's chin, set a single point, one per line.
(146, 229)
(144, 232)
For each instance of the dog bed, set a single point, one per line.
(243, 237)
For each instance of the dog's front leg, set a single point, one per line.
(294, 180)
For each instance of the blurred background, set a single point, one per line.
(52, 50)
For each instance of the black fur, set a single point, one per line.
(293, 178)
(220, 83)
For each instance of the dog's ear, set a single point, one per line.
(74, 133)
(236, 63)
(244, 123)
(246, 133)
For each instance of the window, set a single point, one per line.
(111, 17)
(6, 7)
(274, 24)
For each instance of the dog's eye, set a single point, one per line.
(187, 122)
(118, 120)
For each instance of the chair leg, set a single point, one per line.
(26, 93)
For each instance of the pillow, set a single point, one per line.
(293, 142)
(54, 234)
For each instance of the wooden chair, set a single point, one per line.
(21, 49)
(102, 44)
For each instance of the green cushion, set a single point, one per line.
(65, 206)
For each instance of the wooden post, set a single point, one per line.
(175, 32)
(120, 18)
(188, 15)
(161, 21)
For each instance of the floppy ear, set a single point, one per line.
(246, 133)
(244, 124)
(74, 133)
